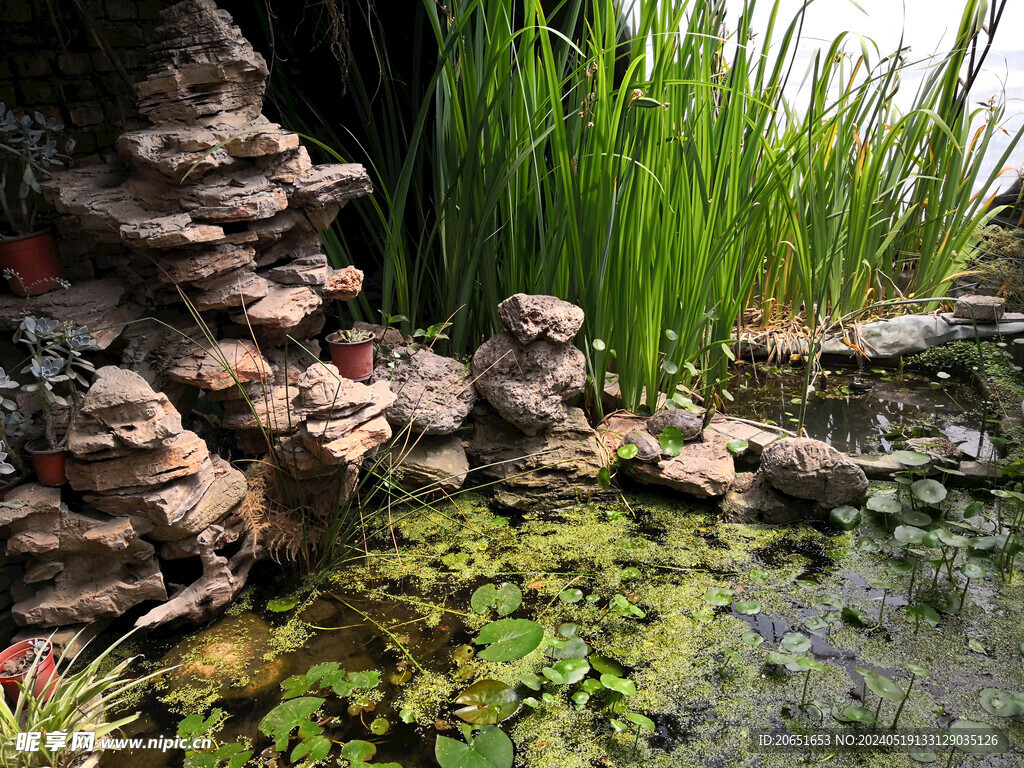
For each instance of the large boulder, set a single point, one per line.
(811, 469)
(528, 384)
(540, 318)
(753, 500)
(434, 394)
(703, 470)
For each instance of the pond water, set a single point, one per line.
(405, 612)
(869, 411)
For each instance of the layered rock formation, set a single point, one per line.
(527, 436)
(219, 206)
(148, 483)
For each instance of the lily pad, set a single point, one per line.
(719, 596)
(909, 534)
(751, 639)
(845, 518)
(999, 703)
(794, 642)
(858, 714)
(737, 446)
(605, 666)
(879, 502)
(915, 669)
(487, 702)
(924, 612)
(282, 604)
(491, 748)
(672, 441)
(993, 741)
(929, 491)
(619, 685)
(508, 639)
(911, 458)
(916, 517)
(570, 596)
(747, 607)
(881, 686)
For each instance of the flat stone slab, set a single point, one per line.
(100, 305)
(876, 467)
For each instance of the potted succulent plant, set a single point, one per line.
(352, 353)
(28, 152)
(12, 469)
(29, 659)
(58, 368)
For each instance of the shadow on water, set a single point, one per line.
(866, 412)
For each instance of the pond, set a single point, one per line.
(641, 583)
(867, 411)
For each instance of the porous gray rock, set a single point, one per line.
(811, 469)
(753, 500)
(982, 309)
(528, 384)
(434, 394)
(540, 318)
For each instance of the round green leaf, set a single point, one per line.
(627, 451)
(858, 714)
(358, 750)
(996, 744)
(487, 702)
(747, 607)
(794, 642)
(644, 722)
(911, 458)
(915, 669)
(908, 535)
(599, 345)
(737, 446)
(508, 639)
(998, 703)
(508, 598)
(572, 670)
(380, 726)
(605, 666)
(879, 502)
(881, 686)
(629, 574)
(929, 491)
(618, 684)
(282, 604)
(570, 596)
(921, 756)
(972, 571)
(483, 598)
(751, 639)
(917, 518)
(718, 596)
(845, 518)
(814, 623)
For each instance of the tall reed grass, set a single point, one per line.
(657, 176)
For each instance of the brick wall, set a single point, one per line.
(50, 61)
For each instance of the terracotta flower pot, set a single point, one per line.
(33, 260)
(354, 359)
(45, 674)
(49, 465)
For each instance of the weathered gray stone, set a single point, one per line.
(119, 412)
(554, 467)
(434, 394)
(180, 456)
(753, 500)
(540, 318)
(981, 309)
(430, 463)
(528, 385)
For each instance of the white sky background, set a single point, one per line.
(928, 26)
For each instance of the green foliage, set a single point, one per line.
(626, 177)
(85, 700)
(504, 599)
(488, 748)
(28, 153)
(487, 702)
(508, 639)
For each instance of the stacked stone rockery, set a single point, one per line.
(527, 436)
(147, 482)
(219, 205)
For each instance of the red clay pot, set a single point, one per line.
(354, 360)
(45, 674)
(49, 465)
(34, 260)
